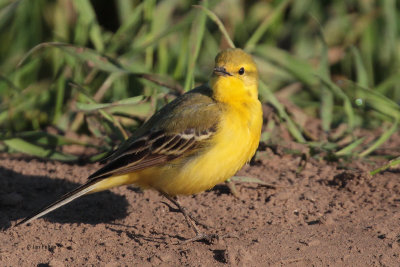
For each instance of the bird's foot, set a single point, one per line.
(201, 237)
(194, 219)
(184, 211)
(209, 238)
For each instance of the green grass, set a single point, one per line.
(103, 69)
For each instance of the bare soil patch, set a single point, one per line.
(329, 214)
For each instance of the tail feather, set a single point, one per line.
(65, 199)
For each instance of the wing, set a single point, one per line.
(180, 128)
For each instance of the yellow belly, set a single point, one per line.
(232, 146)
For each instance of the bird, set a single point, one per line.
(198, 140)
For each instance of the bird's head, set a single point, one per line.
(235, 73)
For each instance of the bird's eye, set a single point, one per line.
(241, 71)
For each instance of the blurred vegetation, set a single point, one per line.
(101, 68)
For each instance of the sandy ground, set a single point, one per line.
(328, 214)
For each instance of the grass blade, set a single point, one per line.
(90, 56)
(326, 110)
(219, 23)
(245, 179)
(270, 19)
(46, 139)
(270, 97)
(34, 150)
(89, 21)
(382, 139)
(196, 38)
(393, 163)
(347, 103)
(349, 148)
(362, 75)
(97, 106)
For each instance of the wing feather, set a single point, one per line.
(180, 128)
(153, 150)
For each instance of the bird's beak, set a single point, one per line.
(221, 71)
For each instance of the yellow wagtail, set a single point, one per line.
(198, 140)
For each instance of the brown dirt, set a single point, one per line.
(329, 214)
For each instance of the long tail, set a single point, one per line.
(93, 185)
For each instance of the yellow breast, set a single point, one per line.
(232, 146)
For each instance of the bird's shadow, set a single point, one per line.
(21, 195)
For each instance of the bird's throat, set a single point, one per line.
(232, 91)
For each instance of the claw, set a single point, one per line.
(199, 237)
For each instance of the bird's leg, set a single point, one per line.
(188, 216)
(191, 221)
